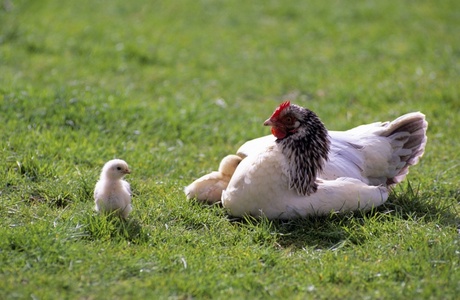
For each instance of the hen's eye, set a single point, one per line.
(288, 119)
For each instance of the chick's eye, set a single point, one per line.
(118, 168)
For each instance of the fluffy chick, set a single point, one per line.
(112, 193)
(209, 187)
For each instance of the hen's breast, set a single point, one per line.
(258, 182)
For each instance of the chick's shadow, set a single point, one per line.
(112, 227)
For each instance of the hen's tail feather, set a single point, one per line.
(408, 135)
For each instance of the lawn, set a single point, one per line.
(172, 87)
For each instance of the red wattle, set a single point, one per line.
(278, 133)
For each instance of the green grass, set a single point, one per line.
(173, 86)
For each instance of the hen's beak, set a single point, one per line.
(269, 122)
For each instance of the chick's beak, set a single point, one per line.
(127, 171)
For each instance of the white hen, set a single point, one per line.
(112, 193)
(305, 170)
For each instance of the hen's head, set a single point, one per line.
(115, 169)
(287, 119)
(304, 142)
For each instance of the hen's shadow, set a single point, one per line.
(335, 230)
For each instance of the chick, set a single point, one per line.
(112, 193)
(209, 187)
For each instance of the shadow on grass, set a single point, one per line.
(437, 205)
(111, 227)
(318, 232)
(337, 230)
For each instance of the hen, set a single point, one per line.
(303, 169)
(112, 193)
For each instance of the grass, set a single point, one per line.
(172, 87)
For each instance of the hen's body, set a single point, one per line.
(248, 192)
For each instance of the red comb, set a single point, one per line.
(280, 108)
